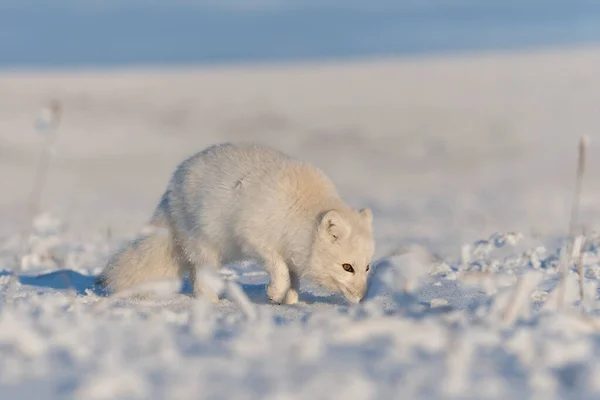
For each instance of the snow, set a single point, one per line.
(468, 163)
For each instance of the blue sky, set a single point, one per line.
(71, 33)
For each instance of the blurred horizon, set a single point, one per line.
(68, 33)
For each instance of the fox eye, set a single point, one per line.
(368, 266)
(348, 268)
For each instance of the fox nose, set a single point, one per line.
(363, 293)
(356, 297)
(361, 296)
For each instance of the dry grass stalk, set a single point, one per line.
(41, 176)
(48, 126)
(580, 271)
(566, 261)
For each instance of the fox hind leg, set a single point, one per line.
(204, 257)
(200, 288)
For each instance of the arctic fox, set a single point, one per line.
(236, 202)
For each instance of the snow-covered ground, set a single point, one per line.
(452, 154)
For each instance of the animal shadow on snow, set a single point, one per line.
(84, 284)
(58, 280)
(257, 293)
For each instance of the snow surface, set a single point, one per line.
(468, 164)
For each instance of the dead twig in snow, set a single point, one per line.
(565, 261)
(47, 124)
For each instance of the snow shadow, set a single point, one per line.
(257, 293)
(59, 280)
(83, 284)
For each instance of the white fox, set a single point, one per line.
(236, 202)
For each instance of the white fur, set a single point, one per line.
(230, 203)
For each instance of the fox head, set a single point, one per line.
(342, 251)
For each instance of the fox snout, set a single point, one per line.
(356, 297)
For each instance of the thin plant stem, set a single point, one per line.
(564, 266)
(35, 195)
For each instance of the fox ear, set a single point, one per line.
(333, 226)
(367, 215)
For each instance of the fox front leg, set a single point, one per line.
(280, 281)
(292, 294)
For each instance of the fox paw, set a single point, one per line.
(206, 292)
(291, 297)
(275, 294)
